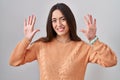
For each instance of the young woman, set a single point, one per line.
(62, 55)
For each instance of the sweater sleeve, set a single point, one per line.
(24, 52)
(102, 54)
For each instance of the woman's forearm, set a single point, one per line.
(18, 54)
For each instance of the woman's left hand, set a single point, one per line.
(90, 32)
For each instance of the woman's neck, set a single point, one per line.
(63, 39)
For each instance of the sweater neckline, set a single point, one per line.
(64, 43)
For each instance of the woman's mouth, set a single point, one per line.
(61, 29)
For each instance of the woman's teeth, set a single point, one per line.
(60, 29)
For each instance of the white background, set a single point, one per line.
(13, 13)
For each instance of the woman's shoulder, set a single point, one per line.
(41, 41)
(82, 43)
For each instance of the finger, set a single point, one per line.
(33, 20)
(37, 30)
(28, 20)
(90, 19)
(95, 22)
(86, 20)
(25, 23)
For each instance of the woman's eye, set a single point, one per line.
(53, 21)
(63, 19)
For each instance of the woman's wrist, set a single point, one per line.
(93, 40)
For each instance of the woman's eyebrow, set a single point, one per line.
(59, 18)
(62, 17)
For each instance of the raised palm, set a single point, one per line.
(90, 32)
(29, 30)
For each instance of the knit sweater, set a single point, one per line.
(64, 61)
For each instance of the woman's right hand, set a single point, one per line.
(29, 30)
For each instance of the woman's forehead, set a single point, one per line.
(57, 13)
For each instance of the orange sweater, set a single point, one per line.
(64, 61)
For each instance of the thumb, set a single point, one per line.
(83, 31)
(35, 31)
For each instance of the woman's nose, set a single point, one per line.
(59, 23)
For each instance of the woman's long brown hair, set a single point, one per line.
(66, 11)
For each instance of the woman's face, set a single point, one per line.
(59, 23)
